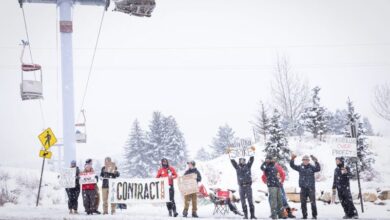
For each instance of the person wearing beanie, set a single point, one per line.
(244, 179)
(307, 182)
(109, 171)
(89, 192)
(168, 171)
(274, 187)
(73, 193)
(191, 197)
(342, 174)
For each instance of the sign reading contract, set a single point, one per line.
(152, 190)
(188, 184)
(87, 178)
(343, 147)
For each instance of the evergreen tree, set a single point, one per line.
(136, 161)
(277, 145)
(368, 127)
(155, 137)
(364, 154)
(338, 122)
(203, 155)
(262, 123)
(173, 144)
(315, 118)
(225, 138)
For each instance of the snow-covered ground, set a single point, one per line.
(216, 173)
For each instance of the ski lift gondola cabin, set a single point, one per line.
(140, 8)
(81, 130)
(30, 87)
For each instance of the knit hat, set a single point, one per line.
(191, 162)
(306, 157)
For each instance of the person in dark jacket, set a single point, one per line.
(109, 171)
(191, 197)
(244, 179)
(274, 187)
(307, 182)
(342, 174)
(73, 193)
(170, 172)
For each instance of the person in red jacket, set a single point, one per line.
(89, 192)
(282, 177)
(170, 172)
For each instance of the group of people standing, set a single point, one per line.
(273, 177)
(90, 191)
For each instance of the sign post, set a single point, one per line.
(354, 135)
(47, 139)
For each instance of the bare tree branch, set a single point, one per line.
(381, 103)
(290, 91)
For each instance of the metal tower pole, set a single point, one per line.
(66, 29)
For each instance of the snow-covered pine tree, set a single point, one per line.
(368, 127)
(136, 160)
(315, 117)
(203, 155)
(173, 143)
(225, 138)
(338, 121)
(155, 137)
(262, 123)
(277, 145)
(364, 154)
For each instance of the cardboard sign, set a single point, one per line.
(188, 184)
(110, 167)
(343, 147)
(152, 190)
(87, 178)
(68, 178)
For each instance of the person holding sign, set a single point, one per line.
(109, 171)
(244, 179)
(307, 182)
(342, 174)
(170, 172)
(88, 180)
(73, 193)
(193, 196)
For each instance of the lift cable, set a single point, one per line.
(91, 66)
(32, 61)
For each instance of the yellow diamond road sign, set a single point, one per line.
(45, 154)
(47, 138)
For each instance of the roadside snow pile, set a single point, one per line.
(20, 186)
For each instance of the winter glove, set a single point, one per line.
(293, 156)
(314, 158)
(344, 171)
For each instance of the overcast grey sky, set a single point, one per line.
(206, 62)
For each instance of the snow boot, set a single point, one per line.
(97, 212)
(70, 211)
(314, 217)
(289, 213)
(355, 217)
(185, 213)
(194, 215)
(245, 213)
(304, 217)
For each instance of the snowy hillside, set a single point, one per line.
(22, 183)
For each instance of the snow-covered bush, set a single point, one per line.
(6, 196)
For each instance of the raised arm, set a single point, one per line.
(317, 167)
(293, 166)
(251, 159)
(234, 163)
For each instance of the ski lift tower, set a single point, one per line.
(66, 29)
